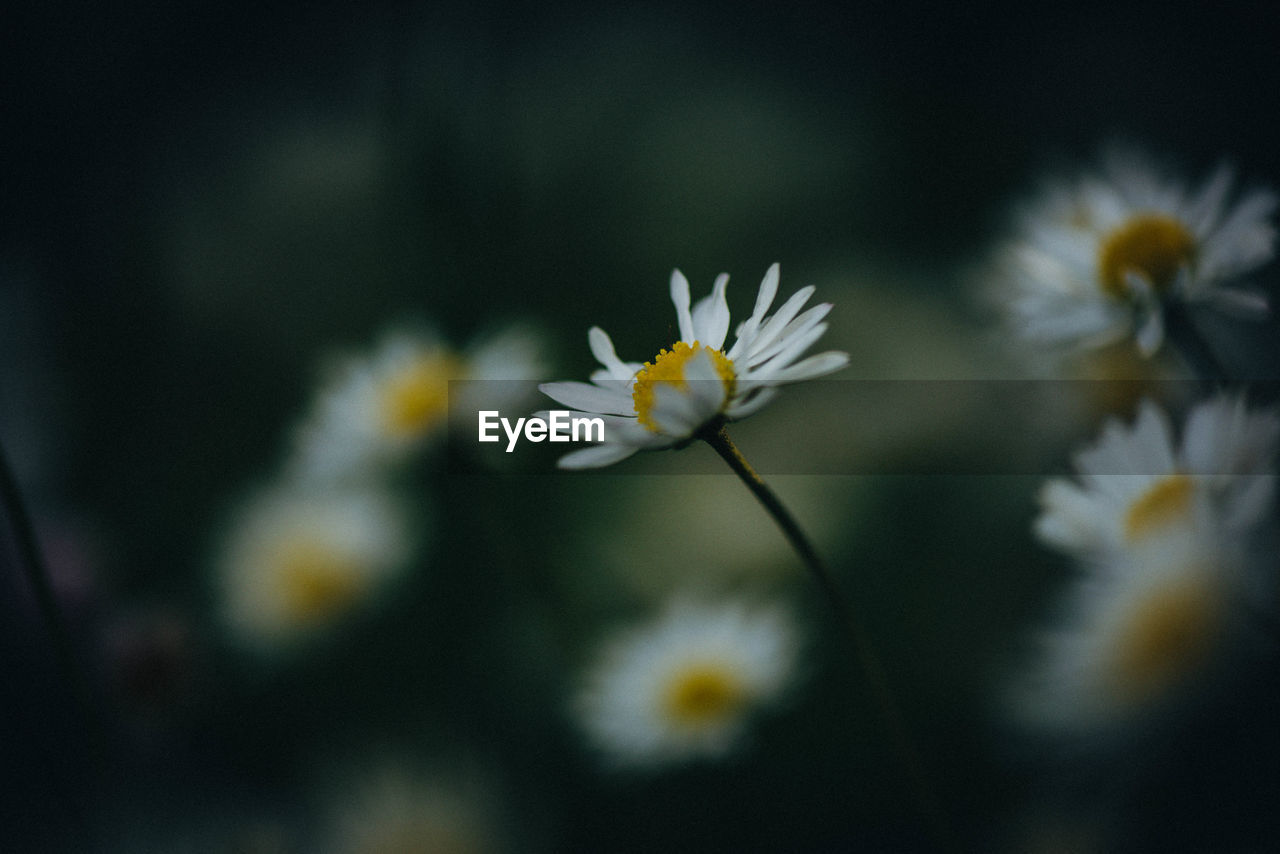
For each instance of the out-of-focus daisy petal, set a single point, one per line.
(1137, 485)
(1100, 258)
(686, 687)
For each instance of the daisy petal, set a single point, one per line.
(711, 315)
(1067, 518)
(774, 326)
(1151, 333)
(751, 403)
(602, 349)
(800, 325)
(1204, 210)
(597, 456)
(746, 331)
(675, 412)
(1239, 303)
(1152, 440)
(680, 298)
(768, 290)
(704, 382)
(588, 398)
(814, 366)
(795, 345)
(1251, 501)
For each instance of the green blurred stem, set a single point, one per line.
(717, 437)
(37, 572)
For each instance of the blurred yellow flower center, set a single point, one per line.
(416, 397)
(1168, 636)
(317, 582)
(668, 367)
(1153, 246)
(703, 694)
(1165, 502)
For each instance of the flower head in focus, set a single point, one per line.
(687, 686)
(666, 402)
(1135, 484)
(296, 563)
(1099, 257)
(376, 410)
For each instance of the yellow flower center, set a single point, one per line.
(704, 694)
(317, 582)
(1164, 503)
(416, 397)
(1168, 637)
(668, 367)
(1153, 246)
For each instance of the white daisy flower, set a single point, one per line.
(401, 811)
(1138, 633)
(686, 686)
(378, 409)
(668, 401)
(297, 563)
(1134, 483)
(1097, 258)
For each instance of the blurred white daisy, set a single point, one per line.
(398, 811)
(296, 563)
(1097, 258)
(378, 409)
(666, 402)
(1134, 483)
(1138, 632)
(687, 686)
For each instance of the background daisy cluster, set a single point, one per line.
(236, 241)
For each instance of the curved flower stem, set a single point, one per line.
(37, 572)
(718, 438)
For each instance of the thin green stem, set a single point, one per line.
(33, 565)
(37, 573)
(864, 650)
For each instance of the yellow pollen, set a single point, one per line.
(668, 367)
(317, 583)
(704, 694)
(1153, 246)
(1169, 637)
(1164, 503)
(416, 397)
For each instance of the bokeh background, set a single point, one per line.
(202, 202)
